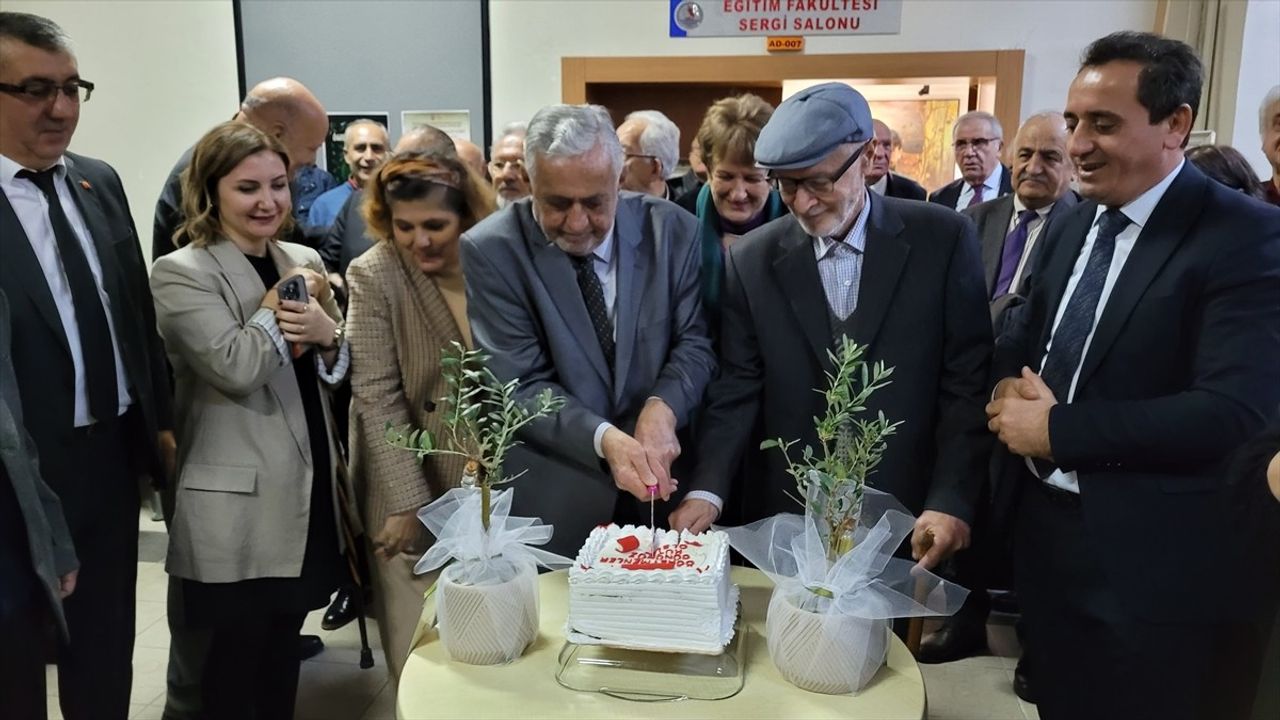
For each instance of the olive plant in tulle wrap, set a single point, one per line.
(830, 479)
(837, 582)
(487, 607)
(481, 417)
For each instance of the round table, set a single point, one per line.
(433, 686)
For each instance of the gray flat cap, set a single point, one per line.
(807, 126)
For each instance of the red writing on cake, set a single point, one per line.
(667, 557)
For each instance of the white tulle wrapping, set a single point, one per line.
(487, 607)
(836, 644)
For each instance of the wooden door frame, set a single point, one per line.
(1006, 66)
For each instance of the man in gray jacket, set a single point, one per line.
(593, 294)
(38, 566)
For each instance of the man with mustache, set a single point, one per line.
(1146, 355)
(977, 138)
(898, 276)
(1008, 228)
(364, 146)
(593, 295)
(506, 165)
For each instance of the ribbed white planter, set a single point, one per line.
(488, 624)
(830, 654)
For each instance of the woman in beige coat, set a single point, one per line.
(407, 305)
(254, 537)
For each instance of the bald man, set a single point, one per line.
(472, 156)
(281, 107)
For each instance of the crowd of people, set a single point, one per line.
(1085, 344)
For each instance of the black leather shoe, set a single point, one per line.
(958, 638)
(1022, 681)
(309, 646)
(341, 611)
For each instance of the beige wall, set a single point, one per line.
(528, 37)
(165, 72)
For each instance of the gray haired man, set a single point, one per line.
(650, 151)
(593, 296)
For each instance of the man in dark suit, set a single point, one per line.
(90, 367)
(977, 139)
(879, 178)
(1147, 354)
(594, 295)
(1009, 228)
(38, 566)
(899, 277)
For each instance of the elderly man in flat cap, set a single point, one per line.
(900, 277)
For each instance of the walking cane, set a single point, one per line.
(353, 552)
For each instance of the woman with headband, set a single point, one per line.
(407, 305)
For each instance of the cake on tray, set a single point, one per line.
(677, 598)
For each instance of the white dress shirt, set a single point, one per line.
(32, 208)
(880, 186)
(1139, 212)
(1033, 234)
(991, 189)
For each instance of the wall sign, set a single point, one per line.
(712, 18)
(784, 43)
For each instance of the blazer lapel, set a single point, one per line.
(561, 283)
(882, 263)
(994, 233)
(24, 269)
(796, 269)
(430, 303)
(239, 276)
(633, 267)
(1164, 231)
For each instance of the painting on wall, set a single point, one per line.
(925, 128)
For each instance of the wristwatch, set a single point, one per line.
(339, 332)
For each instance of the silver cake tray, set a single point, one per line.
(655, 676)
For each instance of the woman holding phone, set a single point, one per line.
(407, 305)
(255, 339)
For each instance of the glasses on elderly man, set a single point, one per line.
(498, 166)
(976, 144)
(817, 185)
(41, 90)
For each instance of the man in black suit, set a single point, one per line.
(90, 367)
(977, 139)
(1009, 228)
(900, 277)
(879, 178)
(1147, 354)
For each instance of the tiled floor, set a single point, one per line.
(333, 687)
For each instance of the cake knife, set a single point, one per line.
(653, 529)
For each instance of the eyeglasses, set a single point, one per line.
(639, 155)
(819, 185)
(41, 90)
(500, 165)
(976, 144)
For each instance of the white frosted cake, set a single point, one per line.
(676, 599)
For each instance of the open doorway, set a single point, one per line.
(917, 94)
